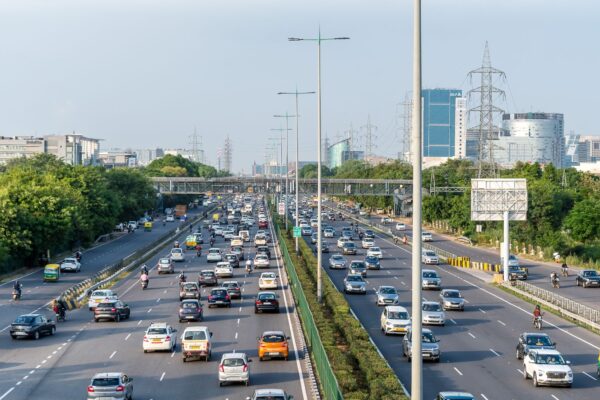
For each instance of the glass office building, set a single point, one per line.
(439, 122)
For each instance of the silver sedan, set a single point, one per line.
(387, 295)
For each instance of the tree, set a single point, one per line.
(583, 220)
(134, 192)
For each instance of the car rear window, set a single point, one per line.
(105, 382)
(207, 273)
(233, 362)
(273, 338)
(194, 335)
(157, 331)
(266, 296)
(106, 305)
(189, 305)
(219, 292)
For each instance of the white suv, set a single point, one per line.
(547, 367)
(159, 336)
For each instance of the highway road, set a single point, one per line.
(478, 345)
(60, 366)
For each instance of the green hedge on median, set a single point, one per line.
(360, 371)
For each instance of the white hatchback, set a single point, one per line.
(234, 368)
(214, 255)
(261, 261)
(159, 336)
(223, 270)
(267, 280)
(375, 251)
(177, 254)
(98, 296)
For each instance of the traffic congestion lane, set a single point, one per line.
(36, 294)
(489, 323)
(161, 375)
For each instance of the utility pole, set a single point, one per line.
(406, 126)
(369, 136)
(287, 163)
(227, 153)
(197, 151)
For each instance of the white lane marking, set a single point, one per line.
(5, 328)
(470, 334)
(18, 383)
(388, 272)
(238, 321)
(162, 376)
(467, 301)
(453, 321)
(589, 376)
(49, 357)
(496, 353)
(501, 323)
(157, 300)
(395, 277)
(150, 309)
(44, 361)
(7, 393)
(402, 282)
(112, 355)
(236, 335)
(240, 309)
(173, 353)
(482, 311)
(521, 372)
(484, 396)
(458, 371)
(128, 336)
(25, 377)
(554, 397)
(32, 371)
(38, 366)
(54, 352)
(139, 322)
(165, 291)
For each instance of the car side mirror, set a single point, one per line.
(554, 344)
(568, 362)
(210, 334)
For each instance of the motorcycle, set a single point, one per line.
(16, 295)
(61, 315)
(537, 322)
(198, 253)
(248, 268)
(555, 282)
(565, 271)
(145, 284)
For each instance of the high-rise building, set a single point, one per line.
(338, 153)
(439, 121)
(589, 149)
(20, 146)
(531, 137)
(571, 150)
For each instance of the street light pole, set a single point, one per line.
(280, 130)
(416, 387)
(287, 171)
(319, 39)
(297, 219)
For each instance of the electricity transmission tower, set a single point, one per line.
(197, 151)
(487, 132)
(227, 154)
(351, 137)
(369, 137)
(406, 117)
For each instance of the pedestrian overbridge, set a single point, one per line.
(333, 187)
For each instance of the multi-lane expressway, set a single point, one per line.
(478, 345)
(60, 366)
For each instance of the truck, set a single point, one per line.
(180, 210)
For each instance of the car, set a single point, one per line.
(189, 290)
(260, 240)
(363, 213)
(214, 255)
(314, 222)
(132, 225)
(314, 237)
(375, 252)
(270, 394)
(237, 241)
(329, 232)
(190, 310)
(263, 223)
(347, 233)
(267, 280)
(533, 341)
(341, 241)
(114, 310)
(355, 284)
(430, 280)
(400, 226)
(233, 260)
(196, 342)
(266, 301)
(547, 367)
(324, 247)
(239, 252)
(306, 231)
(223, 270)
(228, 234)
(429, 257)
(218, 230)
(32, 326)
(426, 236)
(170, 218)
(110, 385)
(219, 297)
(165, 266)
(372, 262)
(386, 220)
(264, 250)
(261, 261)
(100, 295)
(367, 243)
(337, 261)
(452, 300)
(369, 234)
(430, 348)
(454, 396)
(244, 234)
(349, 248)
(207, 277)
(394, 320)
(159, 336)
(177, 254)
(70, 264)
(234, 367)
(358, 267)
(273, 344)
(233, 289)
(588, 278)
(432, 313)
(387, 295)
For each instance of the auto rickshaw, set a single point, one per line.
(51, 273)
(190, 242)
(148, 226)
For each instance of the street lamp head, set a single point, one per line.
(294, 39)
(341, 38)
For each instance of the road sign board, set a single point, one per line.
(297, 231)
(281, 208)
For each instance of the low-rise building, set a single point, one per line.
(20, 146)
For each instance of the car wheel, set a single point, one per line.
(518, 354)
(145, 351)
(13, 336)
(247, 383)
(95, 319)
(525, 373)
(584, 285)
(409, 358)
(36, 335)
(52, 331)
(535, 381)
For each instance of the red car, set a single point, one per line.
(263, 224)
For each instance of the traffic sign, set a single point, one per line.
(297, 232)
(281, 208)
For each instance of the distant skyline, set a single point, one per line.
(144, 73)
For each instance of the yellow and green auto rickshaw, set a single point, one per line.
(190, 242)
(148, 226)
(51, 273)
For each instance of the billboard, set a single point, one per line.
(490, 198)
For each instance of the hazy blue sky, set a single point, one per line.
(143, 73)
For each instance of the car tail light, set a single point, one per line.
(210, 297)
(245, 368)
(120, 388)
(145, 338)
(258, 302)
(221, 368)
(113, 309)
(90, 389)
(226, 297)
(168, 339)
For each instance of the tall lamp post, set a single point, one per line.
(280, 130)
(287, 151)
(297, 220)
(318, 39)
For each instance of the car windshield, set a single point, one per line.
(397, 315)
(337, 258)
(189, 305)
(231, 257)
(354, 278)
(266, 296)
(429, 275)
(266, 397)
(375, 249)
(194, 335)
(99, 293)
(234, 362)
(590, 273)
(70, 260)
(429, 253)
(550, 359)
(24, 320)
(176, 251)
(539, 341)
(273, 338)
(428, 337)
(452, 294)
(372, 259)
(157, 331)
(105, 382)
(387, 290)
(431, 307)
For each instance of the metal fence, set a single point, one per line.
(329, 385)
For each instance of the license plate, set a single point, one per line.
(190, 317)
(273, 354)
(194, 347)
(20, 334)
(156, 341)
(267, 303)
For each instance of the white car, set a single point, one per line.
(367, 243)
(234, 367)
(375, 252)
(98, 296)
(363, 213)
(400, 226)
(70, 264)
(260, 240)
(224, 270)
(426, 236)
(170, 218)
(219, 230)
(261, 261)
(386, 220)
(328, 233)
(228, 234)
(341, 241)
(159, 336)
(394, 320)
(214, 255)
(547, 367)
(237, 241)
(314, 222)
(433, 314)
(267, 280)
(429, 257)
(177, 254)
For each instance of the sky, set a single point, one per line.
(145, 73)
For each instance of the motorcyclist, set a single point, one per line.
(59, 308)
(565, 269)
(176, 245)
(248, 266)
(78, 255)
(144, 278)
(144, 270)
(198, 250)
(182, 278)
(17, 286)
(537, 312)
(191, 228)
(212, 241)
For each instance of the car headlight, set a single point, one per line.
(570, 373)
(435, 351)
(540, 373)
(389, 323)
